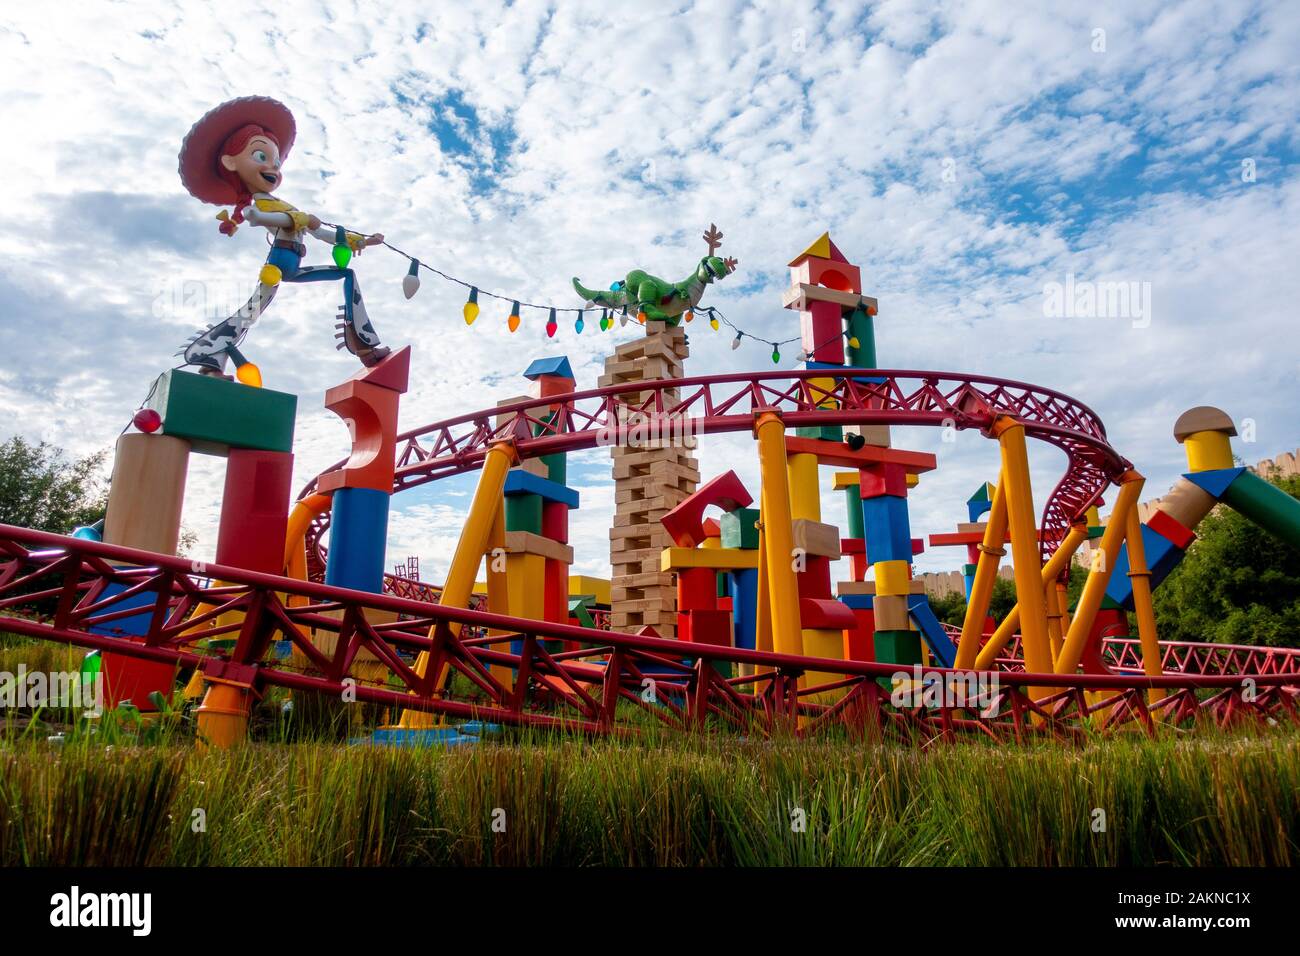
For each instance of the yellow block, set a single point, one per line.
(597, 587)
(526, 585)
(820, 385)
(892, 577)
(913, 480)
(1208, 451)
(822, 642)
(721, 559)
(847, 479)
(805, 497)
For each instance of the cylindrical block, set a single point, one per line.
(1187, 503)
(1208, 451)
(148, 489)
(358, 537)
(805, 497)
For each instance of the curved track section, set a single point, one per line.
(570, 678)
(727, 403)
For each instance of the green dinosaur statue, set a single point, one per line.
(659, 300)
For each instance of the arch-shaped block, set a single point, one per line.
(685, 523)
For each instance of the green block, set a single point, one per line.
(216, 415)
(738, 530)
(723, 590)
(863, 329)
(898, 647)
(853, 502)
(578, 610)
(824, 432)
(524, 513)
(556, 467)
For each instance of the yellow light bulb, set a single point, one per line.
(853, 342)
(470, 312)
(249, 374)
(714, 323)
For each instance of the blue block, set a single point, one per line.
(831, 367)
(858, 602)
(889, 535)
(742, 586)
(941, 645)
(358, 538)
(433, 737)
(135, 625)
(1215, 482)
(520, 482)
(1162, 557)
(559, 365)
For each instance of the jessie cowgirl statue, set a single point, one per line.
(232, 157)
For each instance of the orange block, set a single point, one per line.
(371, 413)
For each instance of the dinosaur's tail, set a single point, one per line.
(608, 300)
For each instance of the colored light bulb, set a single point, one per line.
(147, 420)
(640, 317)
(690, 315)
(513, 321)
(735, 343)
(249, 374)
(579, 325)
(622, 319)
(713, 322)
(551, 325)
(342, 251)
(853, 342)
(776, 355)
(471, 307)
(411, 281)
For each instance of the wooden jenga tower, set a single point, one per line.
(650, 479)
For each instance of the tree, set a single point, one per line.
(41, 489)
(1238, 584)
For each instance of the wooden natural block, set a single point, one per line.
(147, 492)
(524, 542)
(816, 538)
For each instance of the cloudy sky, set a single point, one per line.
(967, 155)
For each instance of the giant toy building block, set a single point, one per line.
(252, 428)
(650, 479)
(717, 585)
(362, 487)
(537, 503)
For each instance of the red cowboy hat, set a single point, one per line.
(199, 152)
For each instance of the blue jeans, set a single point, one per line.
(292, 270)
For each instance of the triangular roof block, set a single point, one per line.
(983, 493)
(559, 365)
(823, 248)
(392, 373)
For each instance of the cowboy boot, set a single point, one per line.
(357, 335)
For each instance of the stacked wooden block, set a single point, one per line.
(650, 479)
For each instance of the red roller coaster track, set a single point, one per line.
(583, 680)
(727, 403)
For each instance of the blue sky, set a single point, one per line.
(965, 155)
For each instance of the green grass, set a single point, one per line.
(1223, 800)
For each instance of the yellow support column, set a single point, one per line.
(1051, 600)
(1051, 571)
(1094, 589)
(473, 543)
(1146, 615)
(783, 590)
(986, 574)
(498, 594)
(1024, 545)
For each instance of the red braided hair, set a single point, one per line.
(233, 146)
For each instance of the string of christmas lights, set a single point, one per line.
(411, 284)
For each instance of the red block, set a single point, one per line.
(886, 478)
(555, 521)
(555, 577)
(826, 613)
(255, 510)
(815, 581)
(697, 589)
(918, 545)
(1170, 527)
(707, 627)
(711, 528)
(860, 639)
(859, 565)
(685, 523)
(371, 413)
(853, 545)
(822, 332)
